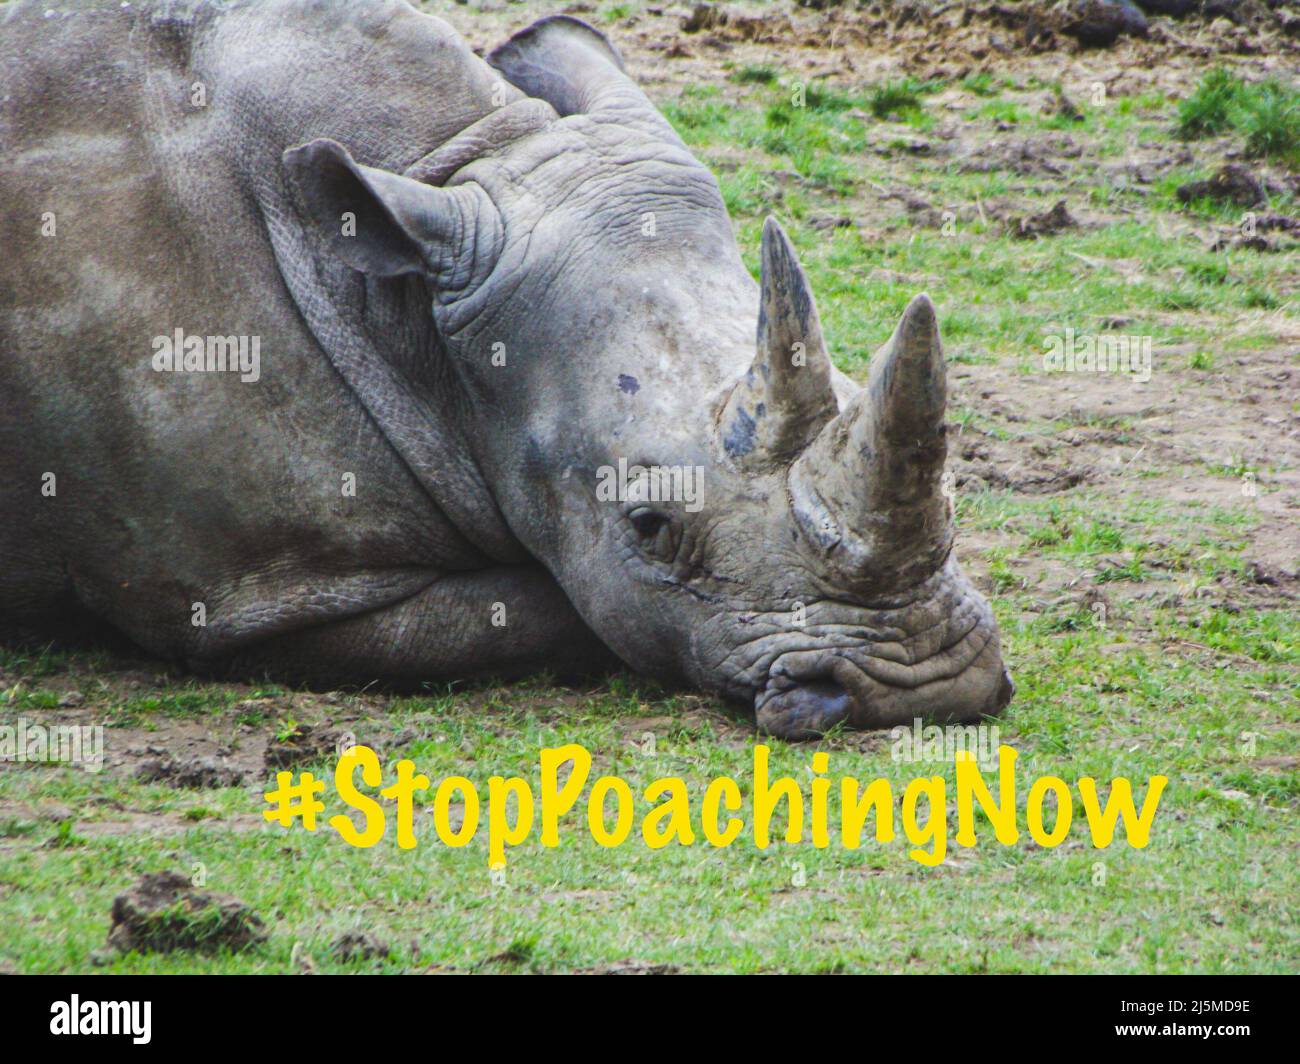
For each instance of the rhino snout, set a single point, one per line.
(808, 695)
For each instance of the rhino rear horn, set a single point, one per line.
(574, 68)
(785, 397)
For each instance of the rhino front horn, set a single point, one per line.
(785, 397)
(868, 490)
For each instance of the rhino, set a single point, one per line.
(335, 353)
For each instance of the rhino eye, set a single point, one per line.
(657, 533)
(647, 522)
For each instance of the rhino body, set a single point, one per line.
(463, 291)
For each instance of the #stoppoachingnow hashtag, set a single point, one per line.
(675, 814)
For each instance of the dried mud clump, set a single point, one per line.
(1232, 182)
(305, 744)
(164, 912)
(1044, 223)
(1099, 23)
(1042, 157)
(359, 946)
(195, 773)
(739, 25)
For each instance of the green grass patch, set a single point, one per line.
(897, 98)
(1265, 113)
(755, 74)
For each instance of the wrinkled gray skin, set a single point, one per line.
(511, 197)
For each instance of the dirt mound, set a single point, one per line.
(1099, 23)
(304, 744)
(1232, 182)
(1045, 223)
(359, 946)
(762, 29)
(189, 773)
(1043, 156)
(949, 39)
(164, 912)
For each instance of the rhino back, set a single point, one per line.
(149, 137)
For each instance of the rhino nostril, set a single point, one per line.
(804, 710)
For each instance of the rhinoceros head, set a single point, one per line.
(668, 438)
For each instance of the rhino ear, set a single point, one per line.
(384, 224)
(574, 68)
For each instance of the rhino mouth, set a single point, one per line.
(807, 694)
(946, 666)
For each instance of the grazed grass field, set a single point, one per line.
(1138, 540)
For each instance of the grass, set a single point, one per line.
(1123, 698)
(892, 99)
(1270, 122)
(755, 74)
(1208, 110)
(998, 294)
(615, 12)
(1266, 114)
(1203, 694)
(981, 83)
